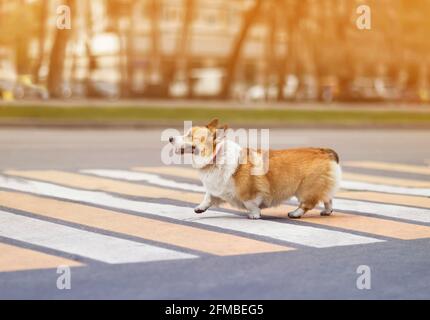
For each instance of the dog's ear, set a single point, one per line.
(213, 124)
(223, 128)
(221, 133)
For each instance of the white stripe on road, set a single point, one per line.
(388, 166)
(80, 242)
(146, 177)
(379, 209)
(364, 186)
(346, 184)
(307, 236)
(387, 210)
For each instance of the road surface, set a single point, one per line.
(102, 204)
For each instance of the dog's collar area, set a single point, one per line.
(212, 162)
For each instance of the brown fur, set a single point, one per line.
(304, 173)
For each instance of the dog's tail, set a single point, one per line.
(333, 155)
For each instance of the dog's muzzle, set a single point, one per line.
(183, 150)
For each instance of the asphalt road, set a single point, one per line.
(77, 148)
(52, 213)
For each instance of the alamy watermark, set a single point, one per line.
(64, 17)
(364, 20)
(364, 281)
(64, 281)
(204, 145)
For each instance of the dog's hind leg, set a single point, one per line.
(253, 206)
(304, 207)
(328, 208)
(296, 214)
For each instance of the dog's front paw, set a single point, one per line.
(326, 213)
(199, 210)
(254, 216)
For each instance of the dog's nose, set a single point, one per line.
(171, 139)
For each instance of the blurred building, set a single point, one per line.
(239, 49)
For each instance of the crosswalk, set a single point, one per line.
(145, 214)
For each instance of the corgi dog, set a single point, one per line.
(253, 179)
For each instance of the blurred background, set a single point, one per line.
(243, 50)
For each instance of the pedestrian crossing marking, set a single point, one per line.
(387, 191)
(386, 180)
(402, 212)
(14, 258)
(388, 166)
(152, 179)
(412, 201)
(95, 183)
(171, 171)
(164, 232)
(357, 195)
(383, 188)
(126, 188)
(81, 242)
(370, 225)
(404, 199)
(291, 233)
(193, 174)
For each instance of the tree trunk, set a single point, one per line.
(92, 62)
(44, 7)
(248, 20)
(131, 37)
(182, 62)
(58, 56)
(22, 41)
(292, 14)
(155, 77)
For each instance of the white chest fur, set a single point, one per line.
(218, 180)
